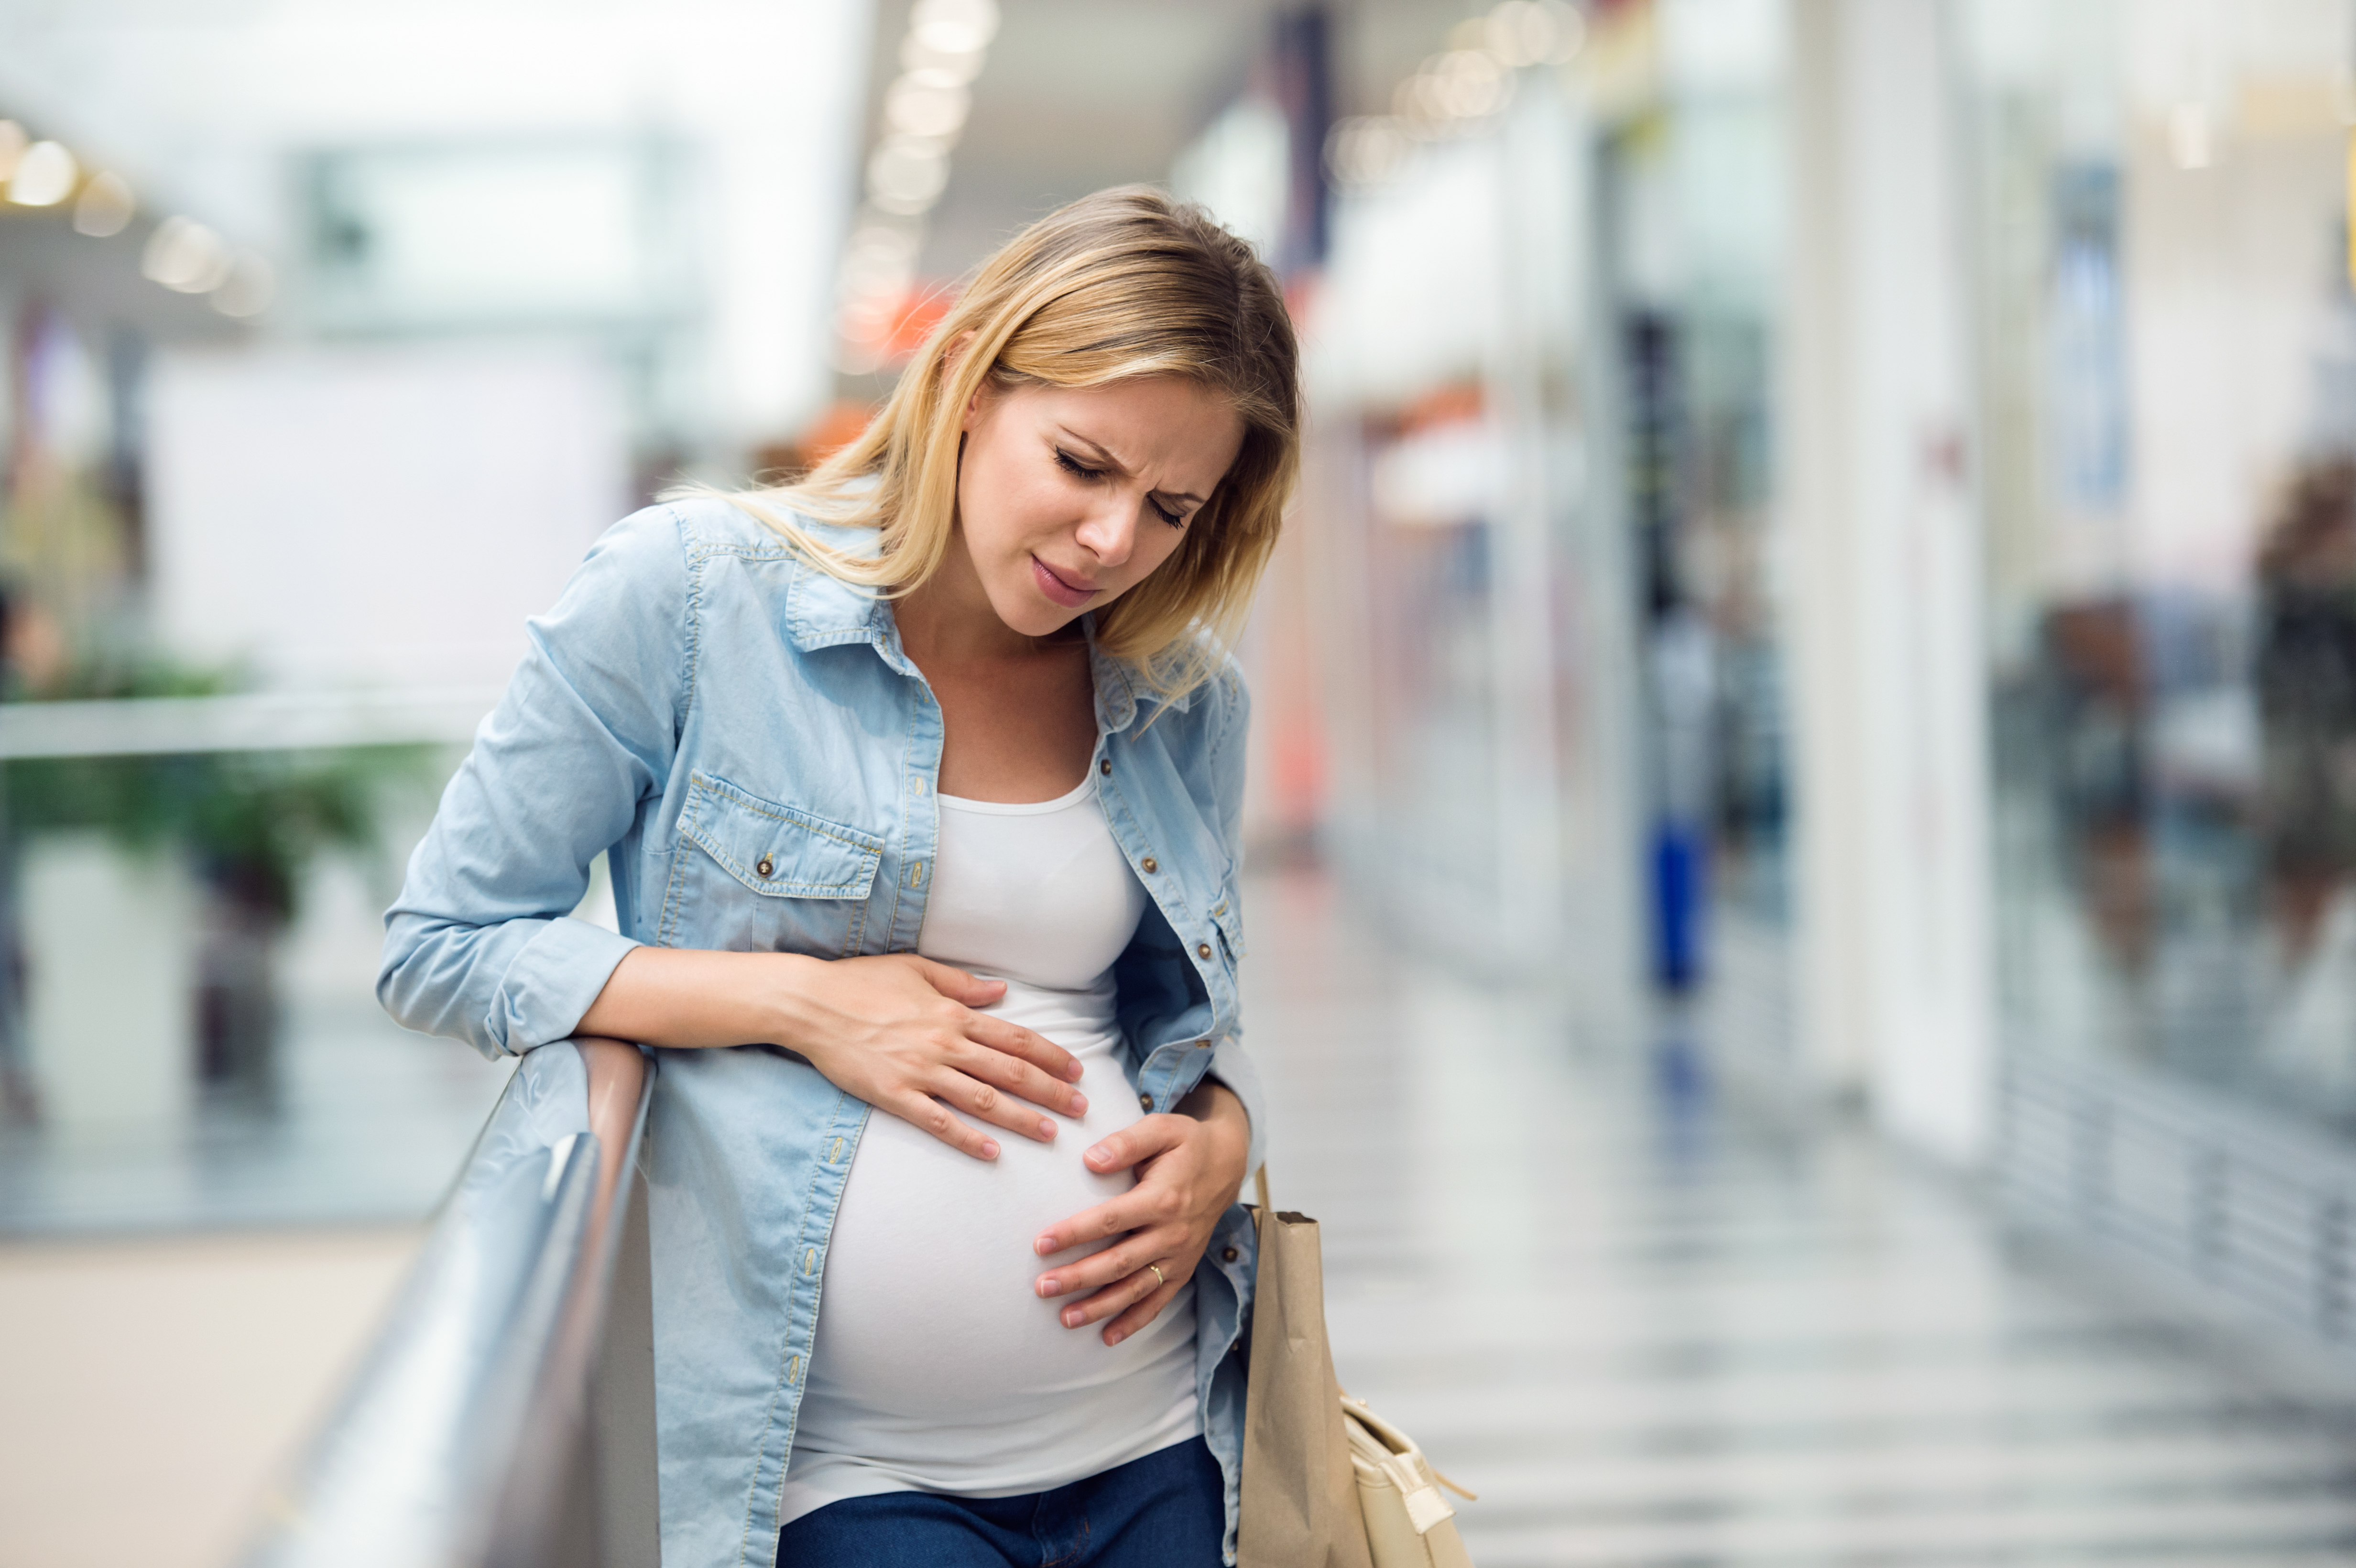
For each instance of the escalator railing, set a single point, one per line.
(505, 1414)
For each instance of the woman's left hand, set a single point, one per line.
(1190, 1166)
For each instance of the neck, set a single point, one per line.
(949, 619)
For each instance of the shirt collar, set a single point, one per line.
(823, 610)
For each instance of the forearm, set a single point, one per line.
(682, 997)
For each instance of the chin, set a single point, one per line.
(1025, 611)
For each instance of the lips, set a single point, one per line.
(1069, 592)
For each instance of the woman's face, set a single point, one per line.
(1069, 497)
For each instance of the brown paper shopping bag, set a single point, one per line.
(1300, 1504)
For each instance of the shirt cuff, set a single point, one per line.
(552, 982)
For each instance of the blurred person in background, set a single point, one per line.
(919, 782)
(2099, 716)
(2306, 700)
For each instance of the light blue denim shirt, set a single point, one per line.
(741, 735)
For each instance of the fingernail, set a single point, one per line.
(1072, 1318)
(1075, 1071)
(1044, 1245)
(990, 1149)
(1047, 1286)
(1079, 1105)
(1046, 1128)
(1099, 1157)
(1113, 1337)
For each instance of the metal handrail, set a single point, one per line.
(505, 1414)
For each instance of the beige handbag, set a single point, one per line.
(1409, 1523)
(1326, 1482)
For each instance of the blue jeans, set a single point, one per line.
(1168, 1509)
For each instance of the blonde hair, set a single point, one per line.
(1123, 283)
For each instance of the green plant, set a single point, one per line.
(250, 821)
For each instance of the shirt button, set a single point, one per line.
(766, 867)
(1201, 950)
(1229, 1254)
(1150, 865)
(1105, 767)
(1147, 1102)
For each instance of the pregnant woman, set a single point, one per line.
(918, 783)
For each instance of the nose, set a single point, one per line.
(1109, 532)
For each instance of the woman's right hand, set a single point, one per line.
(899, 1031)
(902, 1033)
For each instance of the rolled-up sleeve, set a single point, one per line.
(481, 944)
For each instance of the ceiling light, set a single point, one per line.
(45, 175)
(1532, 32)
(1366, 149)
(1517, 33)
(104, 208)
(920, 108)
(950, 67)
(953, 27)
(876, 251)
(13, 141)
(185, 255)
(2191, 136)
(1467, 84)
(906, 176)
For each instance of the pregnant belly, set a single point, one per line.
(930, 1322)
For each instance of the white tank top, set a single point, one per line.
(935, 1367)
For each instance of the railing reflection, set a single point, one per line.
(506, 1413)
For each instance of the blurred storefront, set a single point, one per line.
(1545, 722)
(2169, 399)
(1468, 751)
(1690, 218)
(2161, 267)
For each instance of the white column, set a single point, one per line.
(1889, 748)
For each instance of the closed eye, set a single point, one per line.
(1081, 471)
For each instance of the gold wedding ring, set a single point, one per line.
(1157, 1273)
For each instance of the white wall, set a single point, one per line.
(1890, 756)
(385, 516)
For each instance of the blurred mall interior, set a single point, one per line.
(1803, 794)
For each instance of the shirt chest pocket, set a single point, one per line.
(752, 875)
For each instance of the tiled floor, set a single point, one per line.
(1649, 1332)
(150, 1386)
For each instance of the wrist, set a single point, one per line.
(1227, 1124)
(788, 1013)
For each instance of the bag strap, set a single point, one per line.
(1259, 1184)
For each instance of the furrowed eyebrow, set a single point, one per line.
(1109, 461)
